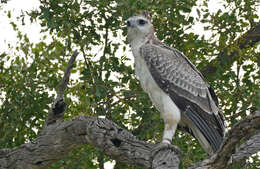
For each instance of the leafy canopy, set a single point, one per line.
(104, 83)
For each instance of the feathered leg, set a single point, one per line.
(169, 131)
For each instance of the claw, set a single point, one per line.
(163, 146)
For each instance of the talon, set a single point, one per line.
(164, 145)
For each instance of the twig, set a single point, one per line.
(65, 80)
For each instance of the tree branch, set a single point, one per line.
(241, 130)
(248, 148)
(60, 138)
(249, 39)
(65, 80)
(59, 106)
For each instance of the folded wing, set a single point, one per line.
(180, 79)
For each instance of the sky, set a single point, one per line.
(15, 6)
(7, 35)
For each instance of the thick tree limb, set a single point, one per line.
(248, 148)
(249, 39)
(244, 128)
(60, 138)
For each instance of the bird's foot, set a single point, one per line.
(164, 146)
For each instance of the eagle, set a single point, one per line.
(175, 86)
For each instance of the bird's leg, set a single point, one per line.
(169, 131)
(171, 116)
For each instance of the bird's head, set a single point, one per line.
(138, 27)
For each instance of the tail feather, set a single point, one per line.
(204, 129)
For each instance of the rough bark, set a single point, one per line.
(60, 138)
(248, 148)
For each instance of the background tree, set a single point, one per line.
(104, 84)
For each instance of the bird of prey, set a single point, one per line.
(175, 86)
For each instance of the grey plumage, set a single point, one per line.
(179, 74)
(187, 88)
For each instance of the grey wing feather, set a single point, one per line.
(180, 79)
(173, 68)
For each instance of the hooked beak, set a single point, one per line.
(130, 23)
(131, 30)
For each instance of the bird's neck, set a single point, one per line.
(141, 40)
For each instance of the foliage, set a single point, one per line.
(105, 84)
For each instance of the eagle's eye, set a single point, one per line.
(128, 23)
(141, 22)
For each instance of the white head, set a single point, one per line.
(138, 27)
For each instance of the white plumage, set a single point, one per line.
(169, 111)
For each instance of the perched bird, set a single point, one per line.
(175, 86)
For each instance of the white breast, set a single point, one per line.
(160, 99)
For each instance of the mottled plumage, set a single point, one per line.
(175, 86)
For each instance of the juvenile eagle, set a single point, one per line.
(175, 86)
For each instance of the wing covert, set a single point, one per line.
(171, 71)
(180, 79)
